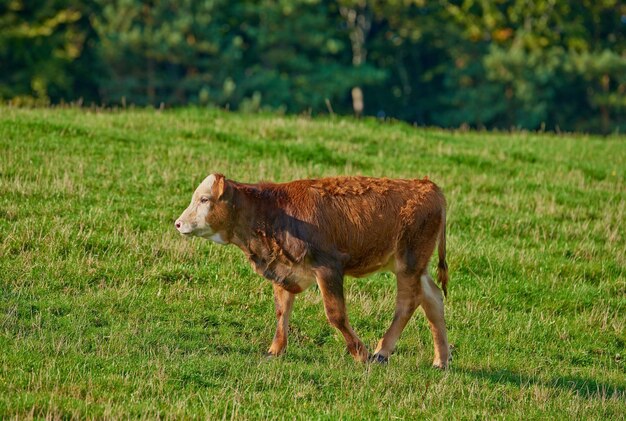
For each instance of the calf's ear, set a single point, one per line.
(221, 188)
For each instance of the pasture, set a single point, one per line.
(106, 312)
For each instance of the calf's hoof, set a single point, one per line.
(444, 363)
(360, 354)
(441, 364)
(379, 359)
(362, 358)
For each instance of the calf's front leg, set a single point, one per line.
(331, 287)
(283, 302)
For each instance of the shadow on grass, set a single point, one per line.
(584, 387)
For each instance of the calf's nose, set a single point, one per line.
(177, 224)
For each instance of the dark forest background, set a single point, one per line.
(545, 64)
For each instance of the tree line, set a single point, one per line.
(544, 64)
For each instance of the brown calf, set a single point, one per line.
(307, 231)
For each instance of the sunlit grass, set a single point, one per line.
(106, 312)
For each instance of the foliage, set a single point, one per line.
(283, 57)
(106, 312)
(45, 50)
(546, 64)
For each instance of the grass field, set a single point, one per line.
(106, 312)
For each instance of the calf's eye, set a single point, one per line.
(204, 199)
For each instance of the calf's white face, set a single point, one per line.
(193, 221)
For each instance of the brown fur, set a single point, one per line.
(321, 230)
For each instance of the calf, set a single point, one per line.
(307, 231)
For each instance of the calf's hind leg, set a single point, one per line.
(431, 300)
(411, 293)
(406, 303)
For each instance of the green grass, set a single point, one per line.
(106, 312)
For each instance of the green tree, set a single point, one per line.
(485, 63)
(290, 55)
(555, 63)
(45, 50)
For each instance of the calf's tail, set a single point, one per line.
(442, 267)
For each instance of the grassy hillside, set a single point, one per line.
(105, 311)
